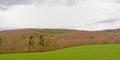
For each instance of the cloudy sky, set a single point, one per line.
(68, 14)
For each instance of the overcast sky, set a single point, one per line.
(68, 14)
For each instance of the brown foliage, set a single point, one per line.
(17, 41)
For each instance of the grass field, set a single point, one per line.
(91, 52)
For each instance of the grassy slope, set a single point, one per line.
(92, 52)
(52, 31)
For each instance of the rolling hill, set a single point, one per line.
(40, 40)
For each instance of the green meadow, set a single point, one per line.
(88, 52)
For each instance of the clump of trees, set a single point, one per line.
(43, 42)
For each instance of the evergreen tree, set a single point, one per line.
(30, 42)
(42, 40)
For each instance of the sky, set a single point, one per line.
(64, 14)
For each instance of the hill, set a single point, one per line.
(40, 40)
(91, 52)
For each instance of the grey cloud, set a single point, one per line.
(14, 2)
(4, 4)
(46, 2)
(2, 8)
(56, 2)
(102, 25)
(108, 21)
(41, 2)
(117, 1)
(72, 2)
